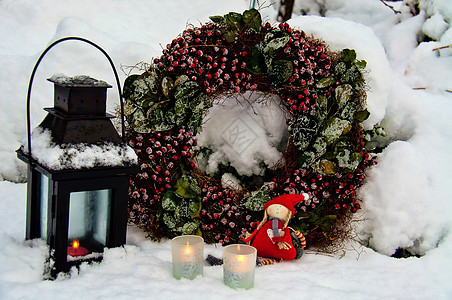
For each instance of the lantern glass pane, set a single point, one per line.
(89, 218)
(43, 203)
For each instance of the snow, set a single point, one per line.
(77, 156)
(406, 200)
(253, 128)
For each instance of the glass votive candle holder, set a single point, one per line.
(188, 255)
(239, 262)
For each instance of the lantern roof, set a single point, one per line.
(78, 81)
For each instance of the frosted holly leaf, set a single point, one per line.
(334, 128)
(348, 113)
(161, 119)
(140, 88)
(180, 107)
(169, 201)
(280, 71)
(302, 131)
(195, 207)
(152, 80)
(195, 122)
(348, 160)
(306, 159)
(184, 88)
(129, 108)
(319, 146)
(167, 86)
(140, 123)
(273, 45)
(189, 227)
(169, 220)
(194, 186)
(343, 95)
(183, 210)
(340, 68)
(257, 200)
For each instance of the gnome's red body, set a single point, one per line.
(272, 237)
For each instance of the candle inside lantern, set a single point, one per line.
(239, 262)
(187, 254)
(76, 250)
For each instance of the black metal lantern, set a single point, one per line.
(78, 211)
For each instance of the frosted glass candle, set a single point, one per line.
(188, 254)
(239, 262)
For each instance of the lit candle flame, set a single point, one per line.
(75, 244)
(187, 249)
(238, 248)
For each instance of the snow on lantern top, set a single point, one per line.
(79, 95)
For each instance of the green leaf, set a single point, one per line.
(306, 159)
(362, 115)
(183, 189)
(170, 201)
(280, 72)
(361, 64)
(325, 82)
(234, 21)
(325, 167)
(217, 19)
(253, 19)
(186, 187)
(256, 65)
(231, 36)
(348, 55)
(127, 91)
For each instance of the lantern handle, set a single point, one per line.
(30, 84)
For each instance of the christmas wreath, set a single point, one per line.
(323, 95)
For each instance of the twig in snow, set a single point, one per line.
(391, 7)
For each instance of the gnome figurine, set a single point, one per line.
(272, 238)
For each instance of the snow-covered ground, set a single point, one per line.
(406, 199)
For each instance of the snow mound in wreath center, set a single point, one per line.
(247, 132)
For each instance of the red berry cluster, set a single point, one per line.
(311, 60)
(160, 156)
(204, 55)
(301, 102)
(223, 219)
(339, 189)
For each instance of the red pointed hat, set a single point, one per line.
(288, 201)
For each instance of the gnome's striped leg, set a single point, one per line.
(301, 237)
